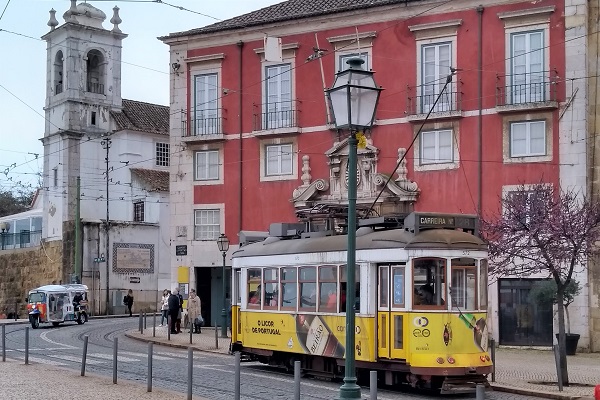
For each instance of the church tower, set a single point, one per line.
(83, 85)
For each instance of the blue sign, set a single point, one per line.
(398, 288)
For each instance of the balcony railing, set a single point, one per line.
(20, 240)
(59, 88)
(95, 87)
(276, 115)
(203, 123)
(422, 98)
(527, 88)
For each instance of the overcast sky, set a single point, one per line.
(23, 65)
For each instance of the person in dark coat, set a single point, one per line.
(128, 300)
(174, 306)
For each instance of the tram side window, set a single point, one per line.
(254, 288)
(308, 288)
(289, 288)
(328, 293)
(343, 288)
(464, 283)
(383, 285)
(483, 284)
(429, 282)
(271, 286)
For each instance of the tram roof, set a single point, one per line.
(384, 239)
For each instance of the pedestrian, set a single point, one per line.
(164, 307)
(194, 309)
(173, 310)
(180, 312)
(128, 301)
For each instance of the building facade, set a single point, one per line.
(107, 157)
(505, 85)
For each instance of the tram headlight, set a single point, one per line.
(487, 358)
(482, 358)
(439, 360)
(451, 360)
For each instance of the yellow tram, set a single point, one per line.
(421, 301)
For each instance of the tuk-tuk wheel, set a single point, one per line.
(81, 318)
(55, 323)
(35, 322)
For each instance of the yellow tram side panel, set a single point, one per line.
(305, 333)
(446, 339)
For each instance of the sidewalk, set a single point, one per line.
(518, 371)
(37, 381)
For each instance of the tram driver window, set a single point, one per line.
(463, 288)
(254, 288)
(343, 285)
(429, 282)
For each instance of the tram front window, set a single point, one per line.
(429, 282)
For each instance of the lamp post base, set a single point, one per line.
(349, 390)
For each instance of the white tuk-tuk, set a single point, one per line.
(57, 303)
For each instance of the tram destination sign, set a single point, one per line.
(417, 222)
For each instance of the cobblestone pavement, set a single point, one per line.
(57, 352)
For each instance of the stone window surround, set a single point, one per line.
(506, 125)
(160, 147)
(353, 43)
(508, 189)
(209, 147)
(289, 57)
(263, 154)
(438, 126)
(204, 65)
(218, 206)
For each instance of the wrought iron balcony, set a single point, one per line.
(276, 115)
(421, 98)
(20, 240)
(95, 87)
(532, 88)
(203, 123)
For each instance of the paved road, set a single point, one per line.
(213, 373)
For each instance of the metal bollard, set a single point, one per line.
(238, 366)
(297, 373)
(145, 321)
(26, 345)
(115, 360)
(16, 315)
(154, 325)
(140, 326)
(479, 392)
(216, 335)
(190, 372)
(493, 355)
(3, 343)
(150, 347)
(557, 360)
(191, 331)
(84, 354)
(169, 327)
(373, 385)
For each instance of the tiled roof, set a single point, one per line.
(157, 180)
(143, 117)
(286, 11)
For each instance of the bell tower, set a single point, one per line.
(83, 85)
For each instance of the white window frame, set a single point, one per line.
(160, 159)
(528, 139)
(203, 65)
(208, 179)
(206, 210)
(428, 98)
(419, 165)
(437, 138)
(509, 190)
(143, 207)
(347, 45)
(263, 159)
(281, 150)
(209, 112)
(507, 122)
(343, 56)
(282, 109)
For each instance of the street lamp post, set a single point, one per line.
(353, 98)
(223, 243)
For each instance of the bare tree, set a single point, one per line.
(548, 232)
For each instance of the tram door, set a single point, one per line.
(391, 311)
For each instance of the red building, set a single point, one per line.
(252, 135)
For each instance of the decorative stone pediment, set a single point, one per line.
(398, 195)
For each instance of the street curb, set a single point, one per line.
(175, 345)
(537, 393)
(22, 321)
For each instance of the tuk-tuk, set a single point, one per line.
(57, 303)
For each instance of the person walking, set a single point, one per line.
(174, 307)
(128, 301)
(194, 310)
(164, 307)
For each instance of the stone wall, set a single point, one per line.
(25, 269)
